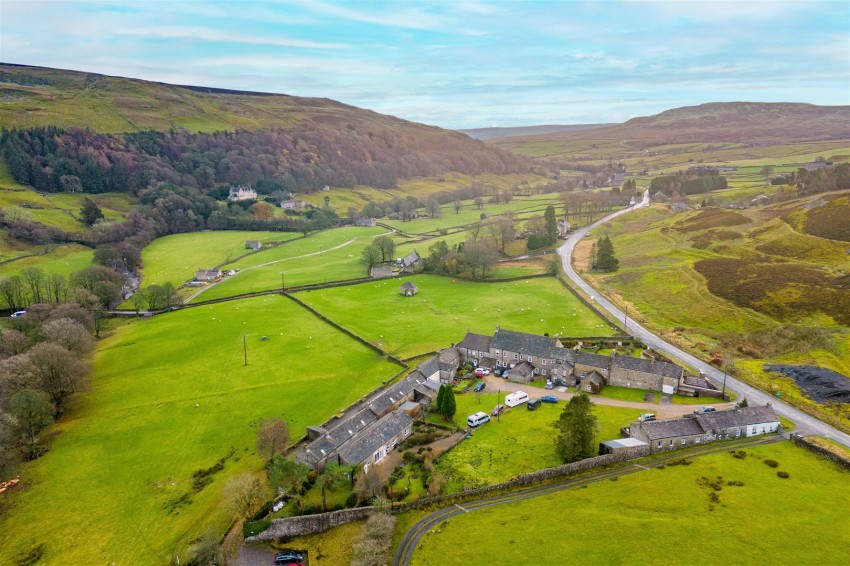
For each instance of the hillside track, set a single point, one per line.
(405, 550)
(806, 424)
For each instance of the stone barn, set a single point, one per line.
(408, 289)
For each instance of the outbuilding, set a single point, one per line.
(408, 289)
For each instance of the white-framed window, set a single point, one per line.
(737, 433)
(684, 441)
(516, 356)
(543, 371)
(536, 371)
(544, 361)
(522, 357)
(671, 443)
(530, 358)
(698, 439)
(659, 444)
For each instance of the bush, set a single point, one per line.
(772, 463)
(263, 511)
(253, 528)
(352, 500)
(783, 475)
(31, 556)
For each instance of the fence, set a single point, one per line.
(820, 451)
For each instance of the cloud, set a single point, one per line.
(210, 35)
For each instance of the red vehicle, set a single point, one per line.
(481, 372)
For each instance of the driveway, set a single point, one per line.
(806, 424)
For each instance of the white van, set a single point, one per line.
(478, 418)
(517, 398)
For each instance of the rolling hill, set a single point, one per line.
(752, 123)
(494, 133)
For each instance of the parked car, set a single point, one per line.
(498, 410)
(549, 399)
(481, 372)
(533, 404)
(558, 382)
(549, 384)
(16, 314)
(498, 372)
(479, 387)
(289, 557)
(646, 417)
(477, 419)
(704, 410)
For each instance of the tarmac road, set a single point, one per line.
(806, 424)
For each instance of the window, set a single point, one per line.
(530, 358)
(522, 357)
(697, 439)
(737, 433)
(544, 361)
(684, 441)
(671, 443)
(659, 444)
(543, 371)
(516, 356)
(377, 456)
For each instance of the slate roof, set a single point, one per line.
(737, 418)
(429, 366)
(333, 438)
(624, 443)
(375, 436)
(393, 394)
(564, 355)
(658, 430)
(479, 342)
(409, 285)
(595, 377)
(380, 271)
(523, 369)
(411, 258)
(645, 365)
(699, 382)
(593, 360)
(528, 344)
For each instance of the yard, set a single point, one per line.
(170, 396)
(677, 515)
(520, 441)
(445, 308)
(63, 260)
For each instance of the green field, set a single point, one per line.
(445, 308)
(169, 396)
(63, 260)
(519, 442)
(649, 518)
(177, 257)
(331, 255)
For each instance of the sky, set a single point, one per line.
(457, 64)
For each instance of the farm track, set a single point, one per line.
(404, 552)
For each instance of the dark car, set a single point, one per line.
(479, 387)
(498, 410)
(533, 404)
(288, 557)
(558, 382)
(549, 399)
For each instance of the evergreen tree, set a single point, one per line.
(441, 395)
(605, 259)
(449, 407)
(576, 430)
(551, 224)
(90, 212)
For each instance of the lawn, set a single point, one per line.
(622, 393)
(334, 547)
(445, 308)
(650, 516)
(177, 257)
(520, 441)
(63, 260)
(332, 255)
(169, 396)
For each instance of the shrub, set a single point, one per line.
(772, 463)
(253, 528)
(739, 454)
(783, 475)
(31, 556)
(352, 500)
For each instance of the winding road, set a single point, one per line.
(806, 424)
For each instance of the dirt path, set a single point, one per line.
(662, 410)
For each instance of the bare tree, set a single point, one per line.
(69, 334)
(501, 230)
(369, 485)
(273, 437)
(57, 372)
(457, 204)
(479, 203)
(373, 545)
(242, 493)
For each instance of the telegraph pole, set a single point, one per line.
(282, 286)
(245, 347)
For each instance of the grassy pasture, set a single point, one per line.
(336, 257)
(110, 486)
(177, 257)
(63, 260)
(634, 520)
(521, 441)
(446, 308)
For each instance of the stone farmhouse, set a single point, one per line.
(240, 193)
(253, 245)
(207, 275)
(371, 431)
(523, 357)
(672, 434)
(293, 204)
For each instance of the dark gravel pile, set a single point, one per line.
(821, 384)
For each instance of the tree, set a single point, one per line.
(479, 203)
(138, 299)
(262, 211)
(333, 478)
(434, 208)
(501, 231)
(369, 485)
(370, 256)
(551, 224)
(480, 255)
(373, 544)
(205, 551)
(90, 212)
(449, 406)
(605, 259)
(33, 412)
(57, 372)
(441, 395)
(576, 430)
(273, 437)
(767, 171)
(242, 493)
(386, 246)
(286, 475)
(69, 334)
(457, 204)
